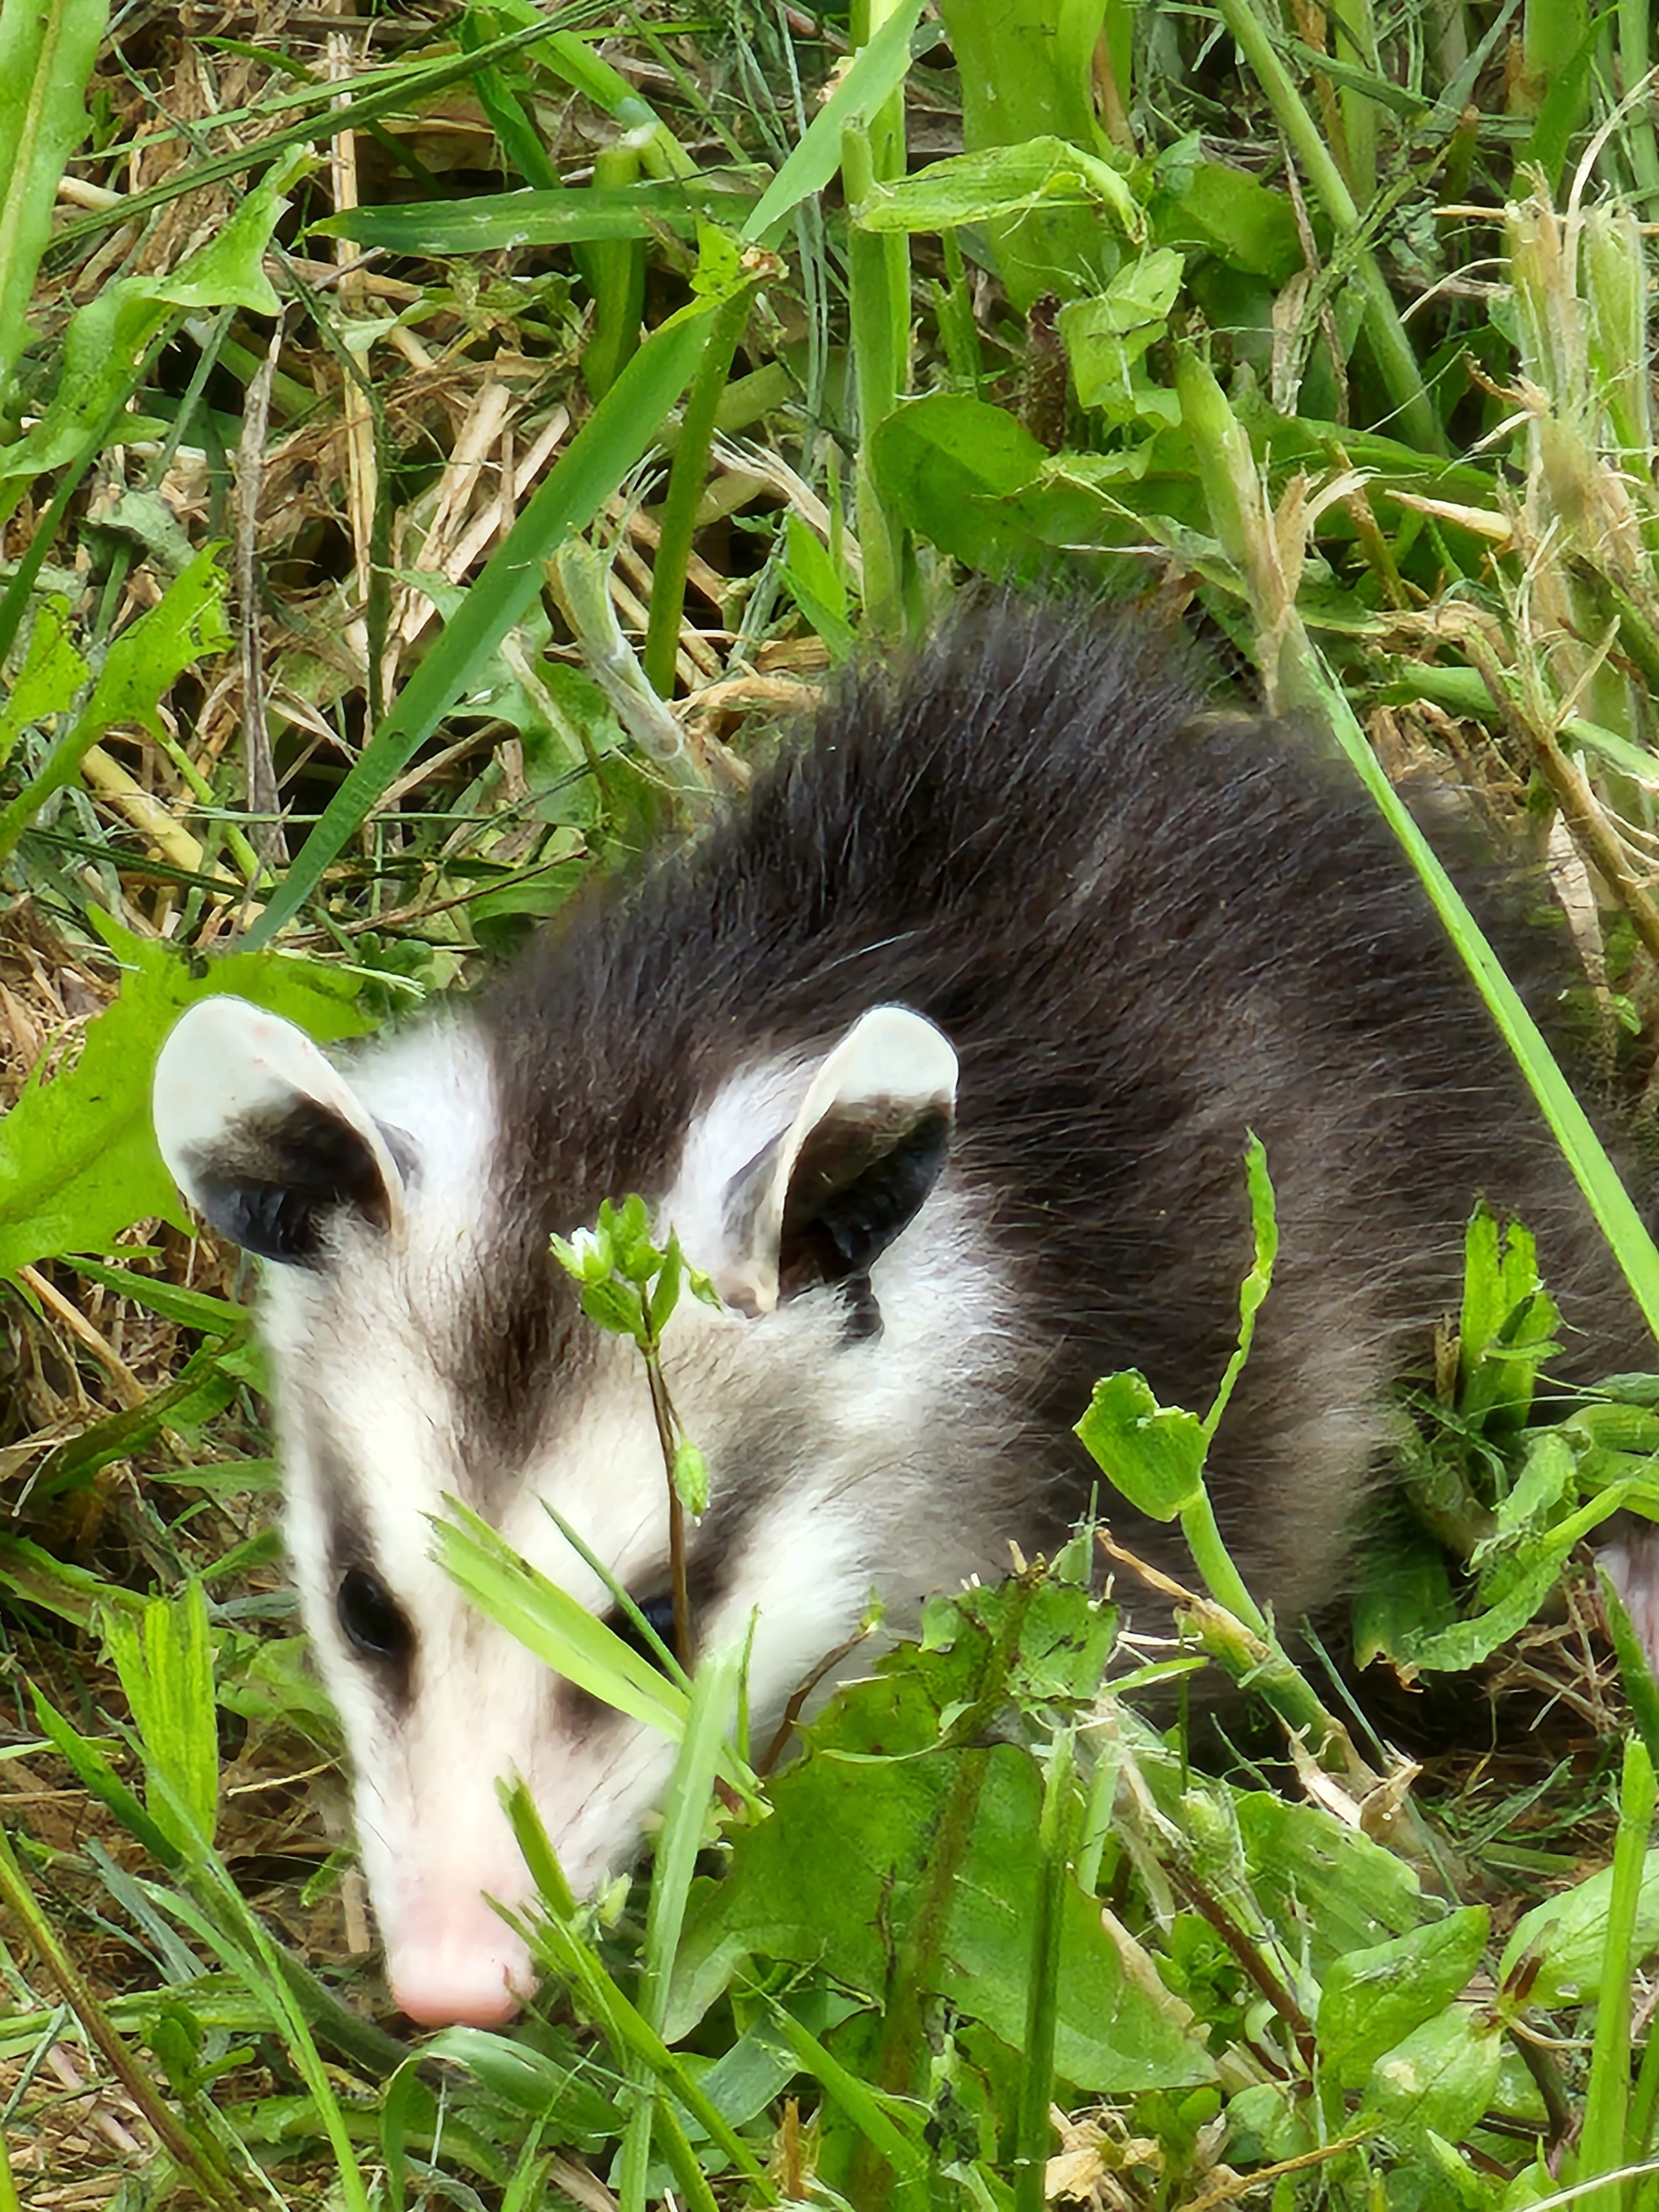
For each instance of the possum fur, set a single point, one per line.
(1133, 932)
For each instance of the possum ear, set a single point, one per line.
(263, 1135)
(824, 1200)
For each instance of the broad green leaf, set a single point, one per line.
(1106, 337)
(78, 1158)
(1373, 1999)
(817, 585)
(52, 672)
(555, 2076)
(1466, 1644)
(1439, 2079)
(1404, 1595)
(143, 663)
(1003, 181)
(849, 1907)
(612, 1306)
(48, 49)
(1567, 1934)
(166, 1666)
(1213, 205)
(1027, 72)
(1326, 1889)
(1546, 1478)
(107, 339)
(945, 462)
(1153, 1454)
(1506, 1322)
(746, 2077)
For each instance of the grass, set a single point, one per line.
(626, 370)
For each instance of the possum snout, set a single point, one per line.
(454, 1962)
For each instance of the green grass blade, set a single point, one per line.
(391, 91)
(1601, 2145)
(550, 1622)
(614, 437)
(875, 73)
(1584, 1153)
(685, 482)
(1396, 357)
(714, 1694)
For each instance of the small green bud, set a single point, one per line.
(691, 1477)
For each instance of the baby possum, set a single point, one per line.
(940, 1054)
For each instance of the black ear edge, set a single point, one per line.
(857, 1185)
(273, 1185)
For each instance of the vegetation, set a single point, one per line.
(433, 449)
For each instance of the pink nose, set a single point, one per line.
(461, 1969)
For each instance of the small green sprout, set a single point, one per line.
(631, 1287)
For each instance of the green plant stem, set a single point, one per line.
(1638, 2125)
(1601, 2145)
(1395, 356)
(1102, 1797)
(615, 269)
(685, 484)
(1215, 1563)
(879, 315)
(19, 1900)
(1355, 40)
(662, 1413)
(1033, 2132)
(1635, 59)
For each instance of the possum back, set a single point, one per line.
(941, 1055)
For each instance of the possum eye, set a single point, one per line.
(372, 1622)
(658, 1613)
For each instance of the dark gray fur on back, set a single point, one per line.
(1146, 931)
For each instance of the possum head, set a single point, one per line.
(858, 1320)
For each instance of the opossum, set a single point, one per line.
(940, 1054)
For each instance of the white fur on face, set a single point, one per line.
(826, 1443)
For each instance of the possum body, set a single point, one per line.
(940, 1056)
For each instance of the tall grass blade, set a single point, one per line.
(47, 51)
(1601, 2145)
(685, 482)
(1396, 357)
(875, 73)
(1033, 2134)
(614, 437)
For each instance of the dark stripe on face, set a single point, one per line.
(375, 1629)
